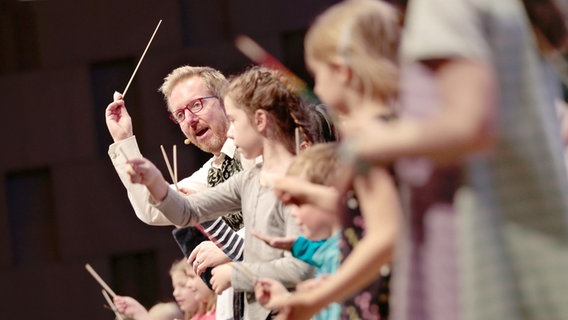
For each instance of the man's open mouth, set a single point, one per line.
(201, 132)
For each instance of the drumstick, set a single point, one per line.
(169, 167)
(140, 61)
(99, 280)
(112, 306)
(175, 164)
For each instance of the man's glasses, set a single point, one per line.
(194, 106)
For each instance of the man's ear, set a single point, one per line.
(260, 120)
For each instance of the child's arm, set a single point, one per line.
(301, 247)
(381, 210)
(289, 189)
(184, 210)
(283, 267)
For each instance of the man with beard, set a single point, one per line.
(194, 100)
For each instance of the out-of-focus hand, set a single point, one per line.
(298, 306)
(221, 277)
(284, 243)
(118, 120)
(310, 284)
(131, 308)
(294, 190)
(206, 255)
(270, 293)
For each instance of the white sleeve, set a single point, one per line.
(138, 194)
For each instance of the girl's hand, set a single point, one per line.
(142, 171)
(221, 277)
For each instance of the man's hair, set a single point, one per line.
(318, 164)
(214, 80)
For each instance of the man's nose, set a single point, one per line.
(191, 117)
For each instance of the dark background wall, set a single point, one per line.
(61, 203)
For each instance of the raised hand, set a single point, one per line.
(118, 120)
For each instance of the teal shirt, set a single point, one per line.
(324, 255)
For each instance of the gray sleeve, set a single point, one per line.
(209, 204)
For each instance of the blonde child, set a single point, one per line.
(205, 297)
(184, 297)
(488, 212)
(352, 51)
(264, 113)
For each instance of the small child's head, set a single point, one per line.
(165, 311)
(317, 164)
(205, 297)
(362, 37)
(261, 102)
(184, 297)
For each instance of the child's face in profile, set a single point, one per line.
(327, 87)
(198, 288)
(314, 223)
(182, 294)
(241, 130)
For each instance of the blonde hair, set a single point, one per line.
(165, 311)
(204, 307)
(214, 80)
(365, 34)
(260, 88)
(318, 164)
(183, 267)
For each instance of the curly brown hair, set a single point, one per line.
(261, 88)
